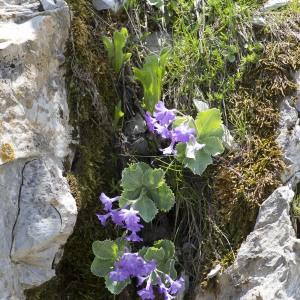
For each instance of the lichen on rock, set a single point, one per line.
(7, 152)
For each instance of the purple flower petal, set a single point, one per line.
(133, 237)
(141, 280)
(107, 202)
(150, 121)
(163, 115)
(131, 264)
(146, 293)
(131, 219)
(183, 133)
(116, 217)
(163, 131)
(119, 275)
(176, 286)
(169, 150)
(103, 218)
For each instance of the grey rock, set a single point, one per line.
(259, 21)
(135, 126)
(274, 4)
(37, 210)
(267, 265)
(52, 4)
(289, 135)
(214, 272)
(114, 5)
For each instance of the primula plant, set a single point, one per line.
(144, 193)
(115, 47)
(151, 76)
(145, 190)
(192, 141)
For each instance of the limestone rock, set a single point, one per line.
(268, 263)
(289, 134)
(274, 4)
(37, 210)
(114, 5)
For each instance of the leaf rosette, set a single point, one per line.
(146, 191)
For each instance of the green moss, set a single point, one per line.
(296, 207)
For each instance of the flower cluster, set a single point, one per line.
(162, 124)
(133, 265)
(124, 217)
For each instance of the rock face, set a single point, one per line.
(37, 210)
(267, 265)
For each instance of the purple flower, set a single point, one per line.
(107, 202)
(163, 131)
(163, 115)
(141, 280)
(133, 237)
(131, 264)
(169, 150)
(119, 275)
(131, 219)
(176, 286)
(116, 217)
(183, 133)
(146, 293)
(164, 291)
(103, 218)
(150, 121)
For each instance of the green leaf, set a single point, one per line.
(132, 177)
(153, 178)
(169, 268)
(108, 44)
(122, 244)
(115, 49)
(156, 254)
(163, 197)
(145, 189)
(213, 145)
(168, 247)
(115, 287)
(143, 251)
(128, 197)
(146, 208)
(209, 123)
(180, 120)
(119, 114)
(197, 165)
(107, 250)
(151, 76)
(101, 267)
